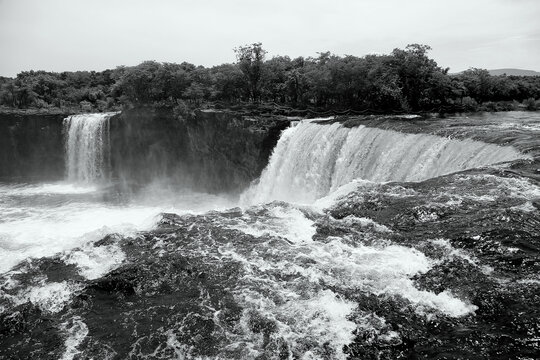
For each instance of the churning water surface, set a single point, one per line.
(293, 274)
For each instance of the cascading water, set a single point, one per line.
(87, 141)
(311, 160)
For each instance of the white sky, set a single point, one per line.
(59, 35)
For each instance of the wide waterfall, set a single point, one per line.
(389, 267)
(311, 160)
(87, 144)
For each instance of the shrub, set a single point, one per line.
(181, 110)
(489, 106)
(85, 105)
(469, 104)
(530, 104)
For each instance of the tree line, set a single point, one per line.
(406, 80)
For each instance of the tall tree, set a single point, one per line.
(250, 59)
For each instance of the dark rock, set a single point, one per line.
(213, 151)
(108, 240)
(26, 333)
(31, 146)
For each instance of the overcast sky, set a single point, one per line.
(65, 35)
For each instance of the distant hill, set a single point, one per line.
(515, 72)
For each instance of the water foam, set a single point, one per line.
(301, 287)
(95, 261)
(75, 331)
(45, 231)
(285, 222)
(50, 297)
(38, 220)
(301, 321)
(379, 269)
(60, 188)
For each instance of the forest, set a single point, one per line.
(406, 80)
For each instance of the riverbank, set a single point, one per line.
(270, 109)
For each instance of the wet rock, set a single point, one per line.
(109, 239)
(456, 275)
(53, 269)
(26, 333)
(157, 300)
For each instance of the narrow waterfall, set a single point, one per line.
(87, 144)
(311, 160)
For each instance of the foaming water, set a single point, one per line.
(302, 285)
(46, 189)
(312, 160)
(45, 231)
(379, 269)
(75, 330)
(87, 144)
(39, 220)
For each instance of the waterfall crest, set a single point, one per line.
(87, 147)
(312, 160)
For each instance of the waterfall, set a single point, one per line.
(87, 144)
(311, 160)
